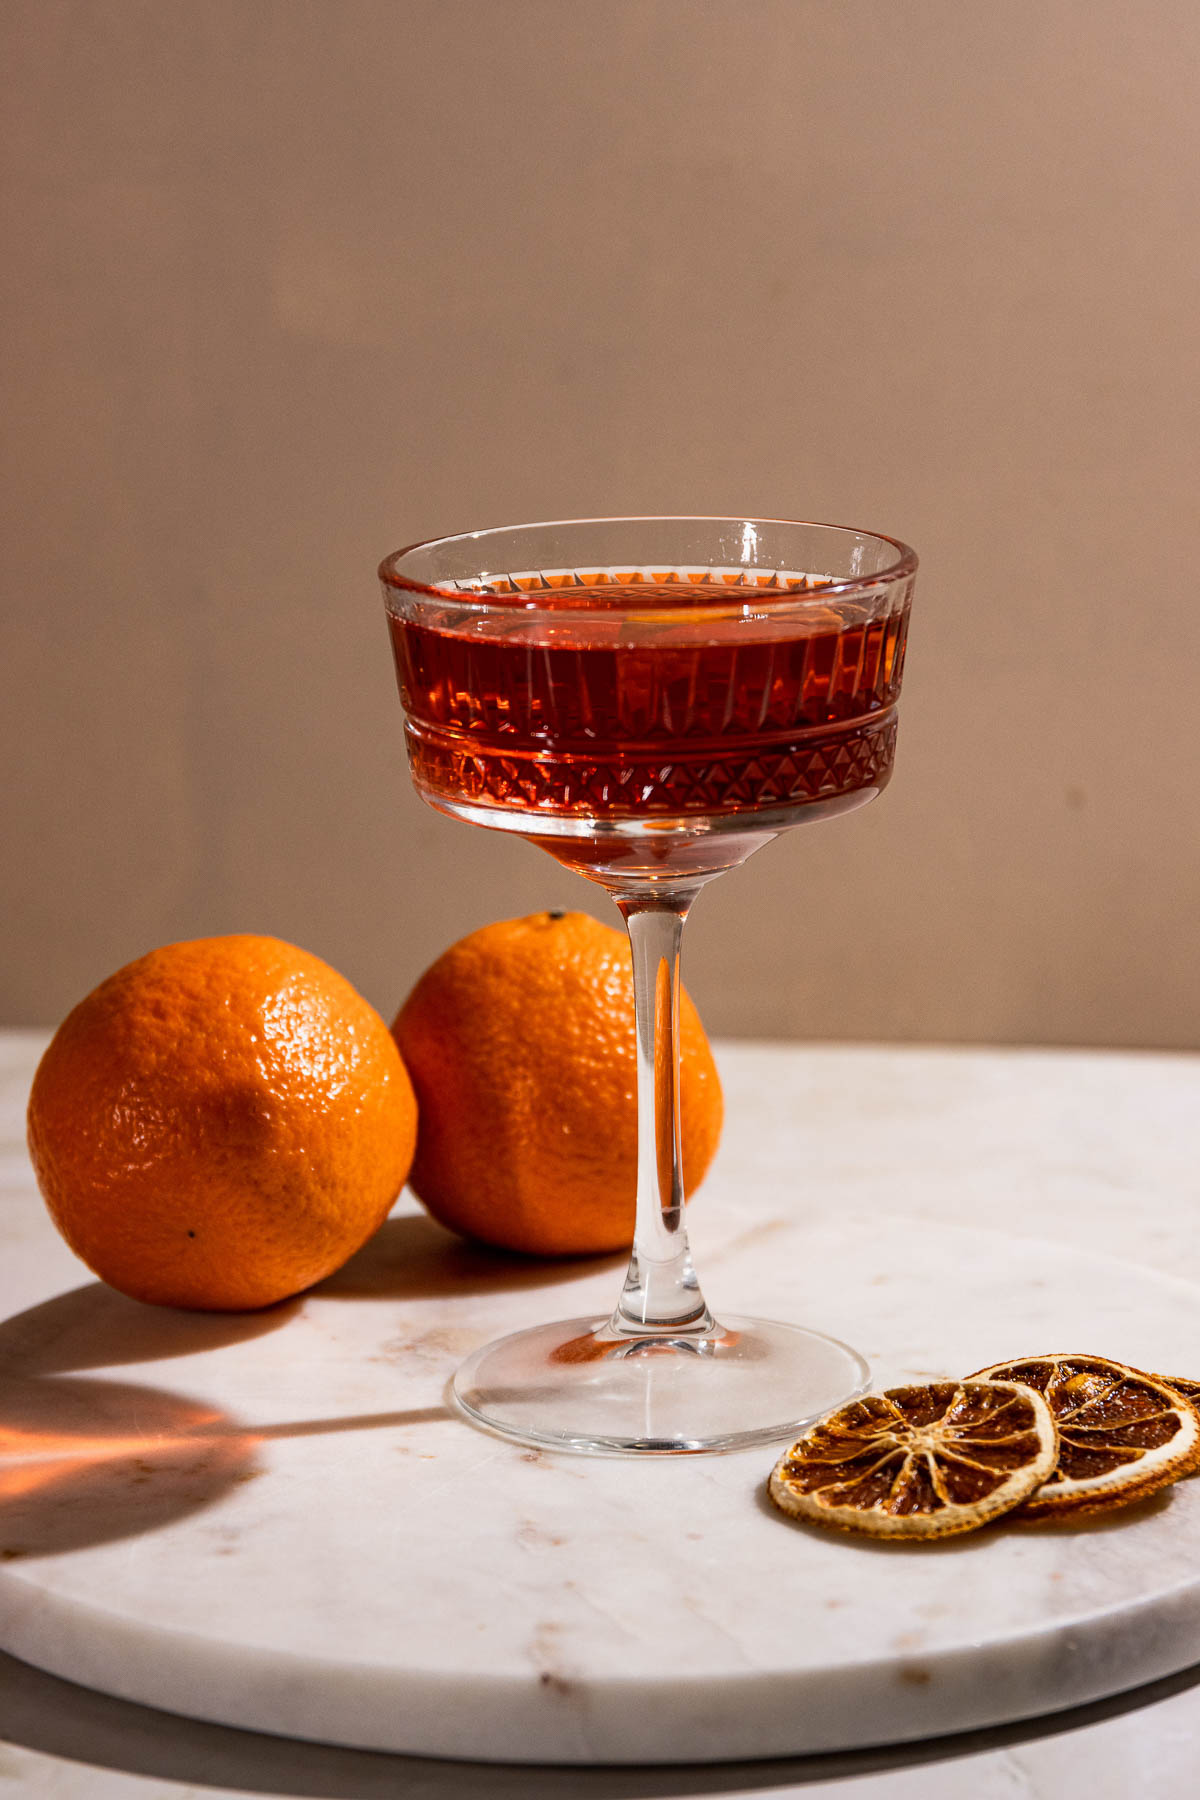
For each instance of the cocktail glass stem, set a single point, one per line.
(661, 1293)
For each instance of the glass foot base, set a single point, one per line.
(578, 1385)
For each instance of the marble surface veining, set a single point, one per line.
(287, 1499)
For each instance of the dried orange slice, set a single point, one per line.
(920, 1462)
(1182, 1385)
(1122, 1434)
(1190, 1391)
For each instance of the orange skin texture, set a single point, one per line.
(520, 1044)
(220, 1124)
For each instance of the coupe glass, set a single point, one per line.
(651, 700)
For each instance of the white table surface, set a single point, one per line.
(1094, 1149)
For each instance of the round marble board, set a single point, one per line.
(274, 1522)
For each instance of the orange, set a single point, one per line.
(220, 1124)
(520, 1044)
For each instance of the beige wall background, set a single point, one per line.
(288, 284)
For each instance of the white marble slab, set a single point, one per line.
(273, 1521)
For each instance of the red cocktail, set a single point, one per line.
(709, 706)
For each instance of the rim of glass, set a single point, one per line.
(904, 566)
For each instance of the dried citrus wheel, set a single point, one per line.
(1122, 1434)
(920, 1462)
(1182, 1385)
(1190, 1391)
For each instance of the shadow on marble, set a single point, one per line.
(969, 1541)
(390, 1421)
(94, 1327)
(1096, 1522)
(966, 1543)
(57, 1718)
(87, 1462)
(414, 1258)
